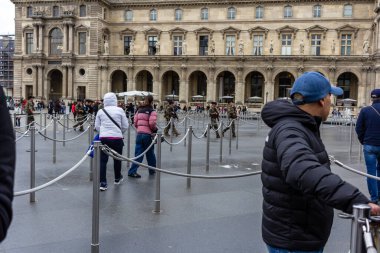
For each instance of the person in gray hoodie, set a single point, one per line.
(111, 123)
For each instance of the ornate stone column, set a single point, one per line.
(105, 87)
(35, 37)
(40, 81)
(65, 36)
(71, 37)
(35, 80)
(269, 85)
(131, 85)
(157, 85)
(64, 81)
(211, 89)
(183, 85)
(239, 89)
(70, 81)
(41, 38)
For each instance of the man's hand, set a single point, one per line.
(375, 209)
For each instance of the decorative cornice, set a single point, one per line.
(258, 29)
(347, 28)
(152, 31)
(177, 30)
(316, 29)
(230, 30)
(128, 31)
(287, 29)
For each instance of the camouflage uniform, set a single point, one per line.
(79, 109)
(231, 114)
(214, 116)
(170, 113)
(29, 108)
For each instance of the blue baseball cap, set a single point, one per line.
(375, 93)
(313, 86)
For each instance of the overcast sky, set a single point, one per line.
(7, 16)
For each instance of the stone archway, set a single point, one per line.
(254, 85)
(55, 86)
(225, 86)
(118, 81)
(349, 83)
(170, 86)
(197, 85)
(283, 83)
(144, 81)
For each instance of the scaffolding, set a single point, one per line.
(6, 63)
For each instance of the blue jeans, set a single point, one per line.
(372, 161)
(278, 250)
(143, 141)
(116, 145)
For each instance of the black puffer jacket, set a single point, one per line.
(299, 189)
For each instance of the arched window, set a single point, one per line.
(29, 12)
(288, 12)
(259, 12)
(347, 11)
(204, 14)
(153, 15)
(128, 16)
(178, 15)
(55, 11)
(231, 13)
(56, 40)
(317, 10)
(82, 11)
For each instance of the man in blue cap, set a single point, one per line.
(368, 130)
(299, 189)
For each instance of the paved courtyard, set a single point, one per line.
(212, 216)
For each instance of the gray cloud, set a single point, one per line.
(7, 15)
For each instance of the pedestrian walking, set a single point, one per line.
(29, 108)
(80, 116)
(232, 116)
(111, 123)
(146, 125)
(299, 189)
(214, 118)
(368, 131)
(169, 114)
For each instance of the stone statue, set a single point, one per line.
(106, 47)
(333, 47)
(365, 47)
(184, 47)
(241, 47)
(302, 47)
(132, 47)
(157, 47)
(212, 47)
(271, 47)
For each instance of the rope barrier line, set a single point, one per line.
(22, 136)
(76, 137)
(178, 173)
(340, 164)
(43, 129)
(69, 128)
(176, 143)
(20, 193)
(203, 135)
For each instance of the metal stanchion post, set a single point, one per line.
(64, 130)
(90, 138)
(221, 143)
(360, 212)
(67, 121)
(40, 119)
(157, 201)
(32, 130)
(129, 143)
(171, 133)
(45, 126)
(351, 130)
(190, 136)
(14, 119)
(208, 148)
(360, 151)
(230, 139)
(54, 142)
(237, 133)
(184, 142)
(258, 122)
(95, 200)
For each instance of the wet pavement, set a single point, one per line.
(221, 215)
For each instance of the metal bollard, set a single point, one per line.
(258, 122)
(95, 199)
(208, 148)
(90, 138)
(45, 126)
(351, 130)
(40, 119)
(129, 143)
(157, 200)
(67, 121)
(360, 212)
(237, 133)
(221, 143)
(171, 133)
(184, 142)
(230, 139)
(360, 151)
(190, 136)
(32, 130)
(54, 142)
(64, 130)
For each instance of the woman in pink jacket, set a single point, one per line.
(146, 124)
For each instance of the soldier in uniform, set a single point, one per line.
(170, 113)
(232, 115)
(29, 108)
(80, 112)
(214, 117)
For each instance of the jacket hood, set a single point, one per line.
(279, 110)
(110, 99)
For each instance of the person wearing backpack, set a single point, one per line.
(111, 123)
(146, 125)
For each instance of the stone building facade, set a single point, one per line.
(186, 49)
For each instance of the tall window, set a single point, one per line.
(152, 40)
(178, 14)
(345, 44)
(316, 44)
(82, 43)
(347, 10)
(55, 11)
(230, 45)
(128, 15)
(286, 44)
(203, 45)
(29, 12)
(259, 12)
(204, 14)
(317, 11)
(177, 40)
(231, 13)
(257, 83)
(127, 44)
(56, 39)
(82, 11)
(257, 44)
(153, 15)
(288, 12)
(29, 43)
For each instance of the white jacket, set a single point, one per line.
(103, 124)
